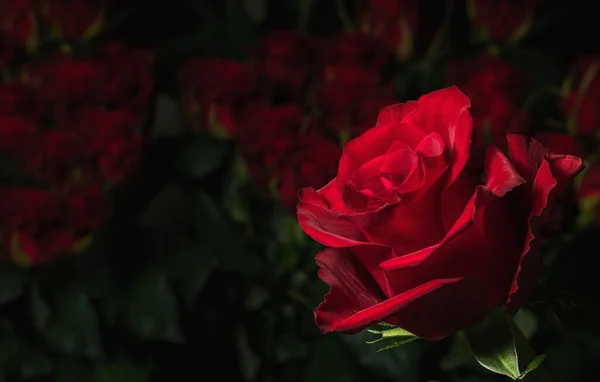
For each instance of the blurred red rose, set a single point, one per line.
(74, 19)
(349, 98)
(311, 162)
(18, 24)
(582, 101)
(115, 142)
(507, 20)
(16, 134)
(87, 207)
(213, 91)
(128, 77)
(284, 63)
(353, 50)
(64, 84)
(495, 87)
(282, 150)
(394, 22)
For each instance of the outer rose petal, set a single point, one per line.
(324, 225)
(354, 301)
(545, 171)
(396, 113)
(475, 251)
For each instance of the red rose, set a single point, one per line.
(212, 91)
(74, 19)
(583, 98)
(283, 62)
(502, 20)
(414, 240)
(393, 22)
(353, 50)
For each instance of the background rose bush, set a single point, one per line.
(150, 159)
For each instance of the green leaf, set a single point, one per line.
(151, 311)
(190, 269)
(250, 362)
(498, 345)
(121, 371)
(13, 282)
(256, 9)
(73, 329)
(201, 156)
(396, 333)
(398, 363)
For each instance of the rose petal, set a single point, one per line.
(446, 112)
(375, 142)
(530, 263)
(354, 301)
(324, 225)
(396, 113)
(482, 250)
(500, 175)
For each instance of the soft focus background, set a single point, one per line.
(150, 158)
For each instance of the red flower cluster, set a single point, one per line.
(501, 21)
(495, 88)
(23, 23)
(291, 105)
(72, 126)
(393, 22)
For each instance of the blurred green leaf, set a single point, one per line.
(151, 312)
(190, 269)
(35, 364)
(459, 356)
(498, 345)
(256, 9)
(201, 156)
(121, 371)
(214, 229)
(13, 282)
(73, 329)
(11, 350)
(256, 298)
(250, 362)
(40, 309)
(399, 363)
(330, 360)
(289, 348)
(71, 369)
